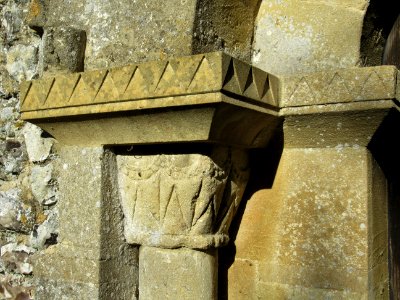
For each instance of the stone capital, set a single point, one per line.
(181, 200)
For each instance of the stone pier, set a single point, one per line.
(321, 230)
(166, 144)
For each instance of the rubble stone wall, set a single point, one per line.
(28, 183)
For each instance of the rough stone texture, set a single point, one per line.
(312, 234)
(321, 230)
(38, 148)
(42, 185)
(225, 25)
(307, 36)
(182, 200)
(130, 31)
(37, 14)
(22, 62)
(311, 37)
(14, 215)
(336, 109)
(63, 50)
(91, 260)
(19, 154)
(45, 233)
(194, 274)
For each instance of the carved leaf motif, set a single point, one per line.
(187, 191)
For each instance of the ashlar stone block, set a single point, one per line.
(195, 274)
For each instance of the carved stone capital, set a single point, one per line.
(181, 200)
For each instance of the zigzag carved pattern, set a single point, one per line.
(182, 76)
(345, 85)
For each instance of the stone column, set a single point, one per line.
(179, 207)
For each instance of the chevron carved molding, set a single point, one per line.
(339, 86)
(197, 74)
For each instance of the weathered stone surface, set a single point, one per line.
(63, 50)
(127, 31)
(14, 215)
(243, 273)
(19, 56)
(180, 200)
(37, 14)
(16, 258)
(294, 36)
(22, 62)
(224, 25)
(205, 73)
(230, 109)
(45, 233)
(43, 184)
(160, 278)
(346, 105)
(12, 157)
(11, 21)
(7, 291)
(10, 209)
(38, 148)
(91, 258)
(339, 86)
(8, 85)
(297, 234)
(338, 130)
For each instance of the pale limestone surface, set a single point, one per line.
(339, 86)
(322, 140)
(91, 260)
(336, 109)
(178, 274)
(321, 230)
(190, 75)
(181, 200)
(211, 97)
(307, 36)
(121, 32)
(311, 235)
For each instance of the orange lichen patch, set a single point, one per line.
(34, 9)
(40, 218)
(24, 219)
